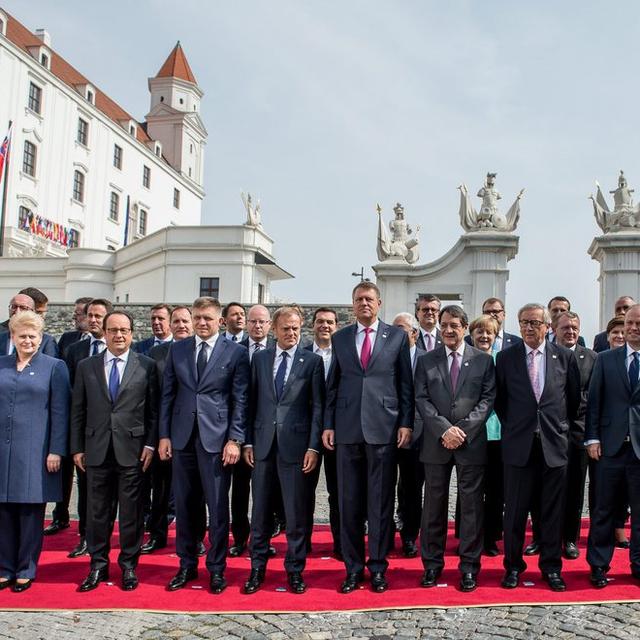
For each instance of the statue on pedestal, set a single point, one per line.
(401, 245)
(625, 214)
(254, 219)
(489, 218)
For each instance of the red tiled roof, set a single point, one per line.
(23, 38)
(176, 66)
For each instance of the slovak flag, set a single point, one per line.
(4, 151)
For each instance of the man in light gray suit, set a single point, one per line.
(455, 392)
(284, 431)
(370, 412)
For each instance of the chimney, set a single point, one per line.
(43, 35)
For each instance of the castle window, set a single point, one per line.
(35, 98)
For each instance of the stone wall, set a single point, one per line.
(59, 317)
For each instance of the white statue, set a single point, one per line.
(625, 214)
(489, 218)
(254, 219)
(400, 245)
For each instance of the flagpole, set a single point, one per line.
(4, 191)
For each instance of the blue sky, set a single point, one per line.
(322, 109)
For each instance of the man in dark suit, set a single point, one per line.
(370, 412)
(427, 310)
(286, 405)
(557, 306)
(494, 307)
(114, 430)
(623, 304)
(80, 323)
(160, 328)
(234, 321)
(202, 428)
(325, 324)
(256, 340)
(95, 311)
(612, 438)
(410, 469)
(538, 394)
(24, 302)
(455, 392)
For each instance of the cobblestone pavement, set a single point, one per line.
(620, 621)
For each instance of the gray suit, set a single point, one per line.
(467, 406)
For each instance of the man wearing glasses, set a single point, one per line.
(538, 395)
(427, 310)
(23, 302)
(623, 304)
(494, 307)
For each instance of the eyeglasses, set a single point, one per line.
(19, 307)
(534, 324)
(114, 331)
(493, 312)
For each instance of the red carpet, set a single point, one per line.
(58, 578)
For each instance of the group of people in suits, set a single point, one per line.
(203, 406)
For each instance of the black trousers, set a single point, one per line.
(160, 493)
(270, 475)
(612, 474)
(328, 461)
(410, 483)
(493, 493)
(576, 478)
(433, 535)
(194, 471)
(366, 491)
(523, 485)
(61, 510)
(240, 490)
(20, 539)
(106, 483)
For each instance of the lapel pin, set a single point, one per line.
(301, 360)
(554, 357)
(31, 373)
(466, 364)
(384, 335)
(581, 356)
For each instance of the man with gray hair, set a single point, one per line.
(538, 395)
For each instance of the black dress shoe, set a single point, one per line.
(623, 544)
(5, 584)
(409, 549)
(468, 582)
(181, 578)
(79, 550)
(351, 582)
(201, 550)
(510, 580)
(217, 583)
(296, 583)
(598, 577)
(256, 578)
(237, 550)
(271, 551)
(153, 544)
(95, 577)
(430, 578)
(56, 526)
(555, 581)
(379, 583)
(532, 549)
(18, 587)
(129, 580)
(571, 551)
(491, 549)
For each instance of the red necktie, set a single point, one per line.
(365, 353)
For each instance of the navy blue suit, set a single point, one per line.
(34, 422)
(200, 416)
(600, 342)
(144, 346)
(48, 345)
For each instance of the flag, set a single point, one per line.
(4, 151)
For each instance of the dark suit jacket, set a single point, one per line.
(296, 420)
(520, 414)
(600, 342)
(418, 425)
(613, 411)
(48, 345)
(144, 346)
(585, 359)
(66, 340)
(159, 356)
(508, 340)
(4, 325)
(581, 341)
(75, 353)
(217, 403)
(130, 423)
(369, 406)
(420, 340)
(467, 408)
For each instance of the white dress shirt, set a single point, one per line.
(239, 337)
(158, 341)
(108, 364)
(278, 360)
(412, 354)
(433, 333)
(211, 342)
(499, 341)
(361, 333)
(252, 346)
(325, 354)
(459, 351)
(542, 363)
(101, 346)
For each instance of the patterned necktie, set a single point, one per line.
(532, 366)
(202, 360)
(365, 353)
(429, 343)
(634, 371)
(454, 372)
(280, 373)
(114, 379)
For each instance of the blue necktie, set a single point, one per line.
(114, 380)
(280, 373)
(202, 360)
(634, 372)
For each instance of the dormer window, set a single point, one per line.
(42, 55)
(44, 60)
(91, 96)
(158, 150)
(132, 130)
(161, 98)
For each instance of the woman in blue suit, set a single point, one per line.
(34, 425)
